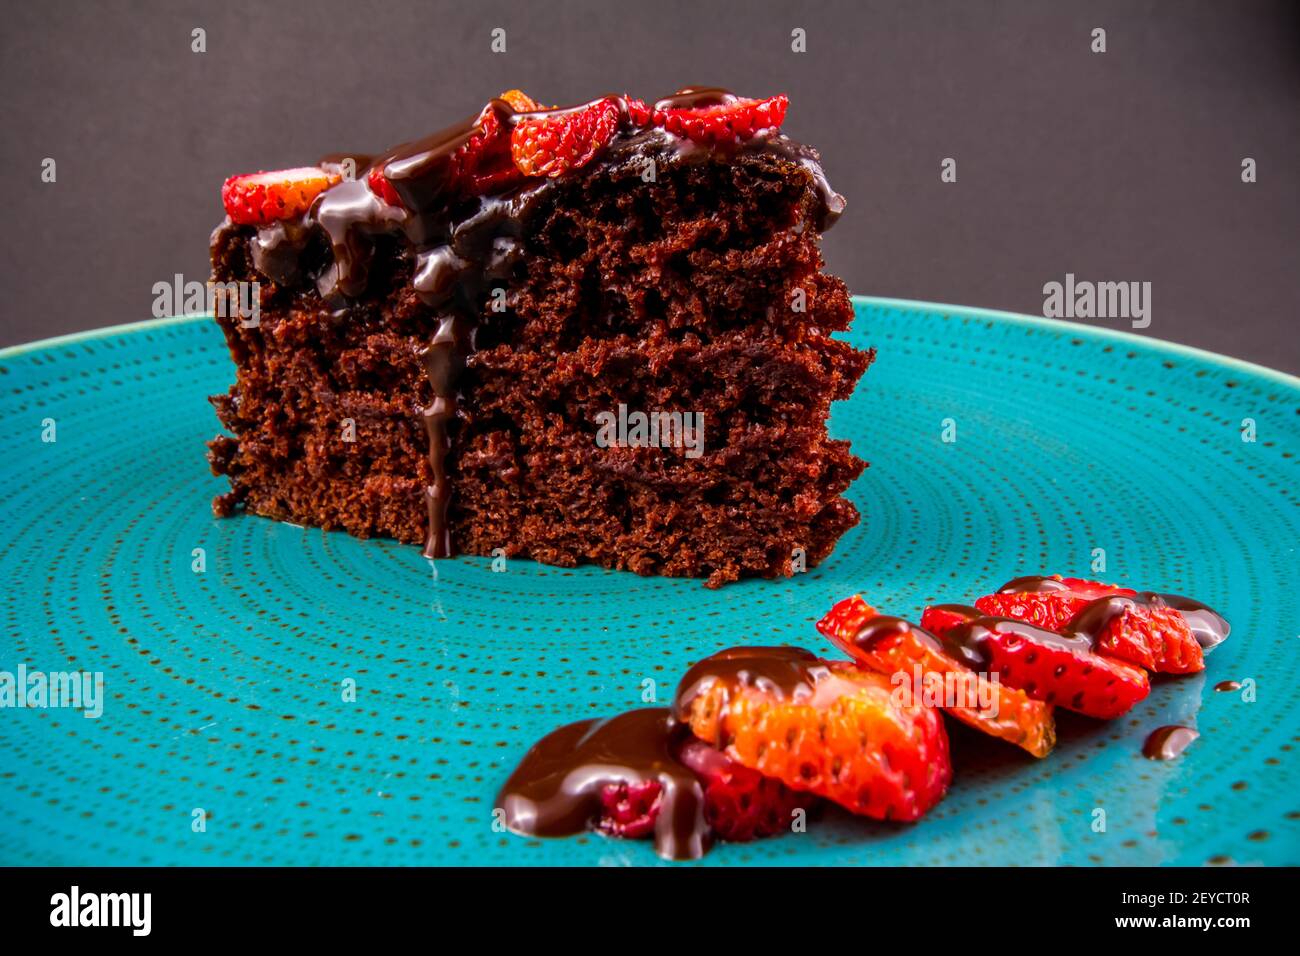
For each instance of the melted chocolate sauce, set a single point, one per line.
(1166, 743)
(1207, 625)
(786, 673)
(967, 641)
(555, 790)
(462, 245)
(884, 626)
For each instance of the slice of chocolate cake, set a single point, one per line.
(596, 334)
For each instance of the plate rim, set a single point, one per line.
(888, 302)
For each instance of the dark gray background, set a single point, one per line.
(1116, 166)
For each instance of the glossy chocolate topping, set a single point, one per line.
(462, 244)
(967, 641)
(786, 673)
(1166, 743)
(555, 790)
(1207, 625)
(884, 626)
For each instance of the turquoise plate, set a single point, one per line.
(228, 735)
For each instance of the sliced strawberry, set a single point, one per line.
(629, 810)
(259, 199)
(381, 187)
(1142, 631)
(741, 804)
(556, 143)
(1054, 668)
(891, 646)
(485, 162)
(520, 101)
(730, 121)
(822, 727)
(638, 112)
(1050, 602)
(479, 166)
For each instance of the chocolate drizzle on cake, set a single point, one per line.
(464, 246)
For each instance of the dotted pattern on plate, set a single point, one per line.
(224, 688)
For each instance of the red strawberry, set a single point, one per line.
(480, 165)
(381, 187)
(629, 810)
(554, 144)
(519, 101)
(839, 733)
(258, 199)
(728, 121)
(1050, 602)
(485, 160)
(1142, 631)
(741, 804)
(1138, 628)
(1054, 668)
(891, 646)
(638, 111)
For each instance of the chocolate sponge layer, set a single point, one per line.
(699, 293)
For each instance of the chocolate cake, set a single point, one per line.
(595, 334)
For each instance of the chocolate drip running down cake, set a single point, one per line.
(441, 331)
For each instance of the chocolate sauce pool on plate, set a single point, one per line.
(555, 790)
(1166, 743)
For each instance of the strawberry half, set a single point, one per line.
(259, 199)
(520, 101)
(1142, 631)
(844, 736)
(638, 112)
(1138, 628)
(730, 121)
(891, 646)
(381, 187)
(485, 164)
(741, 804)
(1050, 602)
(480, 165)
(629, 810)
(554, 144)
(1055, 668)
